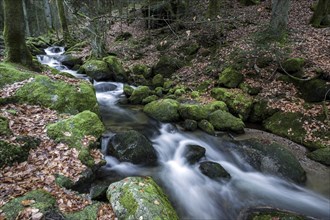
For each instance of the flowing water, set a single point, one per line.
(194, 195)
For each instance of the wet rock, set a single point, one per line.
(71, 60)
(213, 170)
(190, 125)
(321, 155)
(272, 158)
(139, 94)
(97, 70)
(58, 95)
(230, 78)
(194, 153)
(166, 66)
(164, 110)
(132, 146)
(238, 102)
(206, 126)
(224, 121)
(140, 198)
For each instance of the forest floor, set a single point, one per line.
(303, 41)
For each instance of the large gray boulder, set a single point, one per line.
(140, 198)
(132, 146)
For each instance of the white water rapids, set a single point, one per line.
(194, 195)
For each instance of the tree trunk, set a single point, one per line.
(48, 14)
(14, 33)
(320, 14)
(64, 25)
(279, 18)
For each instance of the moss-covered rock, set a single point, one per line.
(128, 90)
(149, 99)
(59, 95)
(190, 125)
(189, 48)
(290, 125)
(193, 153)
(139, 94)
(71, 60)
(97, 69)
(230, 78)
(72, 131)
(133, 147)
(164, 110)
(89, 212)
(38, 199)
(139, 198)
(194, 94)
(321, 155)
(168, 85)
(206, 126)
(116, 68)
(98, 191)
(4, 126)
(238, 102)
(293, 65)
(166, 66)
(141, 69)
(216, 105)
(158, 80)
(314, 90)
(272, 158)
(251, 90)
(261, 111)
(63, 181)
(158, 91)
(213, 170)
(10, 73)
(222, 121)
(194, 112)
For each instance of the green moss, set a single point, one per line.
(168, 85)
(128, 201)
(203, 86)
(194, 94)
(293, 65)
(179, 92)
(139, 94)
(321, 155)
(43, 201)
(4, 126)
(206, 126)
(194, 112)
(85, 157)
(141, 69)
(261, 111)
(97, 69)
(249, 89)
(158, 91)
(10, 73)
(165, 110)
(116, 68)
(230, 78)
(128, 90)
(167, 65)
(238, 102)
(59, 95)
(216, 105)
(90, 212)
(158, 80)
(63, 181)
(149, 99)
(222, 120)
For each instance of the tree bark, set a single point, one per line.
(63, 21)
(322, 10)
(14, 33)
(279, 17)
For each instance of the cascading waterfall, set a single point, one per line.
(194, 195)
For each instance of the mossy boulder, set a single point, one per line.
(72, 131)
(293, 65)
(116, 68)
(10, 153)
(206, 126)
(139, 94)
(149, 99)
(249, 89)
(132, 146)
(166, 66)
(128, 90)
(158, 80)
(290, 125)
(193, 153)
(261, 111)
(38, 199)
(71, 60)
(273, 158)
(216, 105)
(140, 198)
(193, 111)
(189, 48)
(89, 212)
(230, 78)
(10, 73)
(164, 110)
(97, 70)
(321, 155)
(224, 121)
(213, 170)
(58, 95)
(314, 90)
(190, 125)
(4, 126)
(141, 69)
(238, 102)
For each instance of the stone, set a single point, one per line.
(132, 146)
(89, 212)
(230, 78)
(9, 74)
(270, 213)
(261, 111)
(141, 69)
(166, 66)
(321, 155)
(224, 121)
(190, 125)
(58, 95)
(140, 198)
(139, 94)
(149, 99)
(164, 110)
(116, 68)
(97, 70)
(128, 90)
(314, 90)
(158, 80)
(213, 170)
(206, 126)
(193, 111)
(293, 65)
(193, 153)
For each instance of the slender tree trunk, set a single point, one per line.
(27, 28)
(48, 14)
(14, 33)
(63, 21)
(322, 10)
(279, 17)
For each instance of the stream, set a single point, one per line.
(194, 195)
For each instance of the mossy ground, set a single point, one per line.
(10, 73)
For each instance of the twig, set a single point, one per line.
(171, 29)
